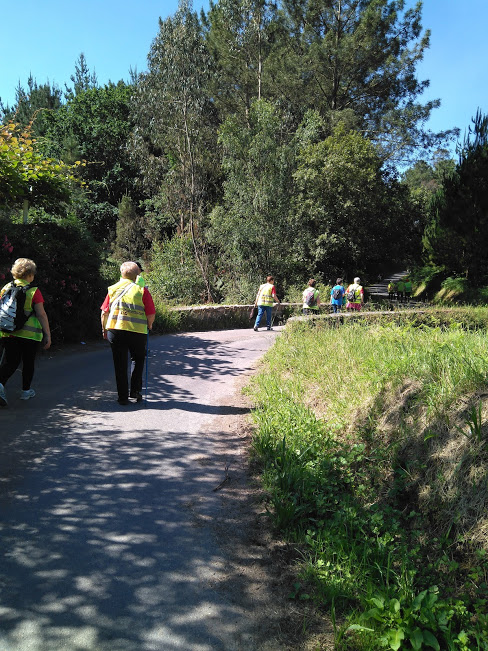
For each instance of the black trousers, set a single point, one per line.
(123, 344)
(18, 350)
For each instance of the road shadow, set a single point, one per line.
(108, 534)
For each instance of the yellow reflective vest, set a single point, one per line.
(32, 328)
(126, 308)
(265, 295)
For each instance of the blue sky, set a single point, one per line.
(46, 37)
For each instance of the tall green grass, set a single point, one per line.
(350, 430)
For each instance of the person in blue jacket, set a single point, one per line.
(337, 295)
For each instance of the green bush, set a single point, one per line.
(174, 276)
(68, 263)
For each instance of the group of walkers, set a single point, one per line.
(350, 298)
(401, 290)
(128, 314)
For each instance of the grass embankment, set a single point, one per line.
(374, 457)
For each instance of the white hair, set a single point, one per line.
(357, 280)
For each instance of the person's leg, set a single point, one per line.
(29, 350)
(269, 314)
(137, 350)
(120, 351)
(259, 316)
(12, 358)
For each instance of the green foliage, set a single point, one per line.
(94, 125)
(26, 174)
(68, 273)
(459, 212)
(130, 242)
(346, 208)
(251, 227)
(421, 622)
(361, 480)
(174, 276)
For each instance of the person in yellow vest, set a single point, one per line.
(401, 290)
(22, 345)
(392, 288)
(128, 313)
(355, 295)
(265, 298)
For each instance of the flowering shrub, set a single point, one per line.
(68, 276)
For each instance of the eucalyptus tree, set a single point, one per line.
(240, 35)
(251, 225)
(174, 137)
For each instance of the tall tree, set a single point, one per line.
(250, 226)
(361, 56)
(349, 213)
(459, 223)
(240, 36)
(83, 79)
(95, 125)
(175, 125)
(31, 104)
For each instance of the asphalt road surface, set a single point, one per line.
(100, 544)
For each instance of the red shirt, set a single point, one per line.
(146, 299)
(37, 298)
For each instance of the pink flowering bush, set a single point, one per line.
(68, 264)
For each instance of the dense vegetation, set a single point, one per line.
(263, 137)
(377, 471)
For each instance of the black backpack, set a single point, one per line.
(351, 295)
(12, 314)
(310, 299)
(337, 294)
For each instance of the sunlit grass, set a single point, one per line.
(352, 426)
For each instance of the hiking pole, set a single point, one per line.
(147, 364)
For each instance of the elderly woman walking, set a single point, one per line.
(22, 345)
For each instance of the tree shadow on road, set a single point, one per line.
(110, 536)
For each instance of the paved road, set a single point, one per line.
(100, 541)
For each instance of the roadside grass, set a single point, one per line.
(372, 443)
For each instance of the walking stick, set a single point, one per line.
(147, 364)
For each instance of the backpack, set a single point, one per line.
(310, 300)
(351, 295)
(337, 294)
(12, 314)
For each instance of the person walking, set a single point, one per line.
(128, 313)
(265, 298)
(337, 295)
(392, 289)
(401, 290)
(355, 295)
(22, 345)
(311, 298)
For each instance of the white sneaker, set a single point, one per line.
(3, 397)
(28, 393)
